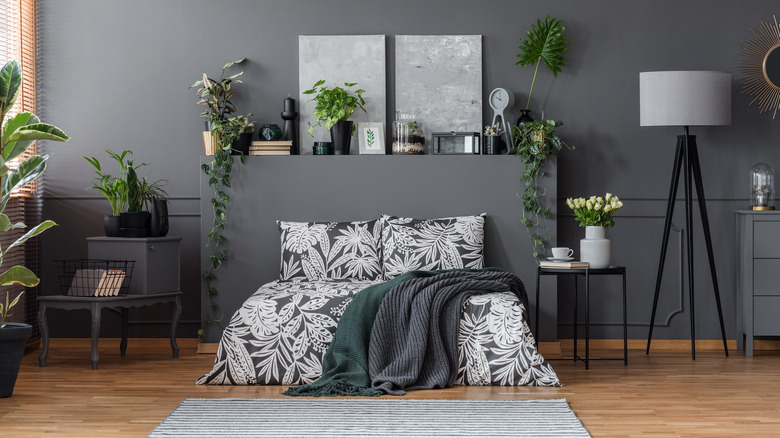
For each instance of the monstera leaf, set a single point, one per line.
(546, 41)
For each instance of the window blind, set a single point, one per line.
(19, 40)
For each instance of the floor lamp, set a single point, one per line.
(686, 98)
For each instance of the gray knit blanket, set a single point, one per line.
(414, 339)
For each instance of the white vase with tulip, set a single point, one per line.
(595, 214)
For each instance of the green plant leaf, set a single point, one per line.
(40, 228)
(28, 170)
(39, 131)
(19, 275)
(546, 41)
(10, 81)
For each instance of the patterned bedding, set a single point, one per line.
(280, 334)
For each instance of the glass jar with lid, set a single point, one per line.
(762, 187)
(408, 137)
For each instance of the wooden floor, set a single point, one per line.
(665, 394)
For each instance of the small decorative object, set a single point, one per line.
(408, 137)
(322, 148)
(270, 132)
(536, 142)
(761, 66)
(290, 131)
(762, 187)
(502, 99)
(334, 106)
(547, 42)
(371, 138)
(457, 143)
(595, 214)
(493, 144)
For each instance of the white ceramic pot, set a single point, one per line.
(594, 248)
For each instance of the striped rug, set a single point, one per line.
(359, 417)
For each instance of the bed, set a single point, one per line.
(280, 333)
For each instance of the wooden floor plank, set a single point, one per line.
(665, 394)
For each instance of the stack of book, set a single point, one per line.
(270, 147)
(562, 264)
(97, 283)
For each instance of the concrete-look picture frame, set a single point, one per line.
(371, 136)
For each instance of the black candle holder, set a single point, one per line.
(290, 129)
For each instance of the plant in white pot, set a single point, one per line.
(595, 214)
(18, 134)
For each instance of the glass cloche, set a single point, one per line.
(762, 187)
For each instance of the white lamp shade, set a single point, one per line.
(684, 98)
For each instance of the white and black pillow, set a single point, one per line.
(429, 244)
(330, 250)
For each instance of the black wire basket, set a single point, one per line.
(95, 277)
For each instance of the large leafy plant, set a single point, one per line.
(17, 169)
(536, 143)
(547, 42)
(334, 104)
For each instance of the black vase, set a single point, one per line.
(13, 338)
(111, 225)
(241, 146)
(341, 137)
(159, 221)
(525, 116)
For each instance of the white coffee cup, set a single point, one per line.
(562, 253)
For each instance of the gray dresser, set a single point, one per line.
(157, 261)
(758, 276)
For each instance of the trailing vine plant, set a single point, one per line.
(216, 95)
(536, 143)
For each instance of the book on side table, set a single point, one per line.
(562, 265)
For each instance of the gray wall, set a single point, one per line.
(115, 75)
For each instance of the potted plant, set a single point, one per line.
(536, 142)
(595, 214)
(129, 196)
(492, 135)
(18, 133)
(215, 95)
(547, 42)
(333, 107)
(245, 129)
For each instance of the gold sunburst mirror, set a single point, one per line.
(761, 66)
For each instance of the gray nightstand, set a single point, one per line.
(758, 276)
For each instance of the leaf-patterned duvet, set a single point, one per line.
(281, 332)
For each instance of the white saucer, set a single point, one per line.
(553, 259)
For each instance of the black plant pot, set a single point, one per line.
(493, 145)
(134, 224)
(242, 144)
(341, 137)
(111, 225)
(13, 338)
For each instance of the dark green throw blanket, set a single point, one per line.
(345, 366)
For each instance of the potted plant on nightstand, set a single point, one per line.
(18, 134)
(334, 106)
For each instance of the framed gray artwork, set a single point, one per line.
(438, 78)
(337, 59)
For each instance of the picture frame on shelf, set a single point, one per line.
(371, 136)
